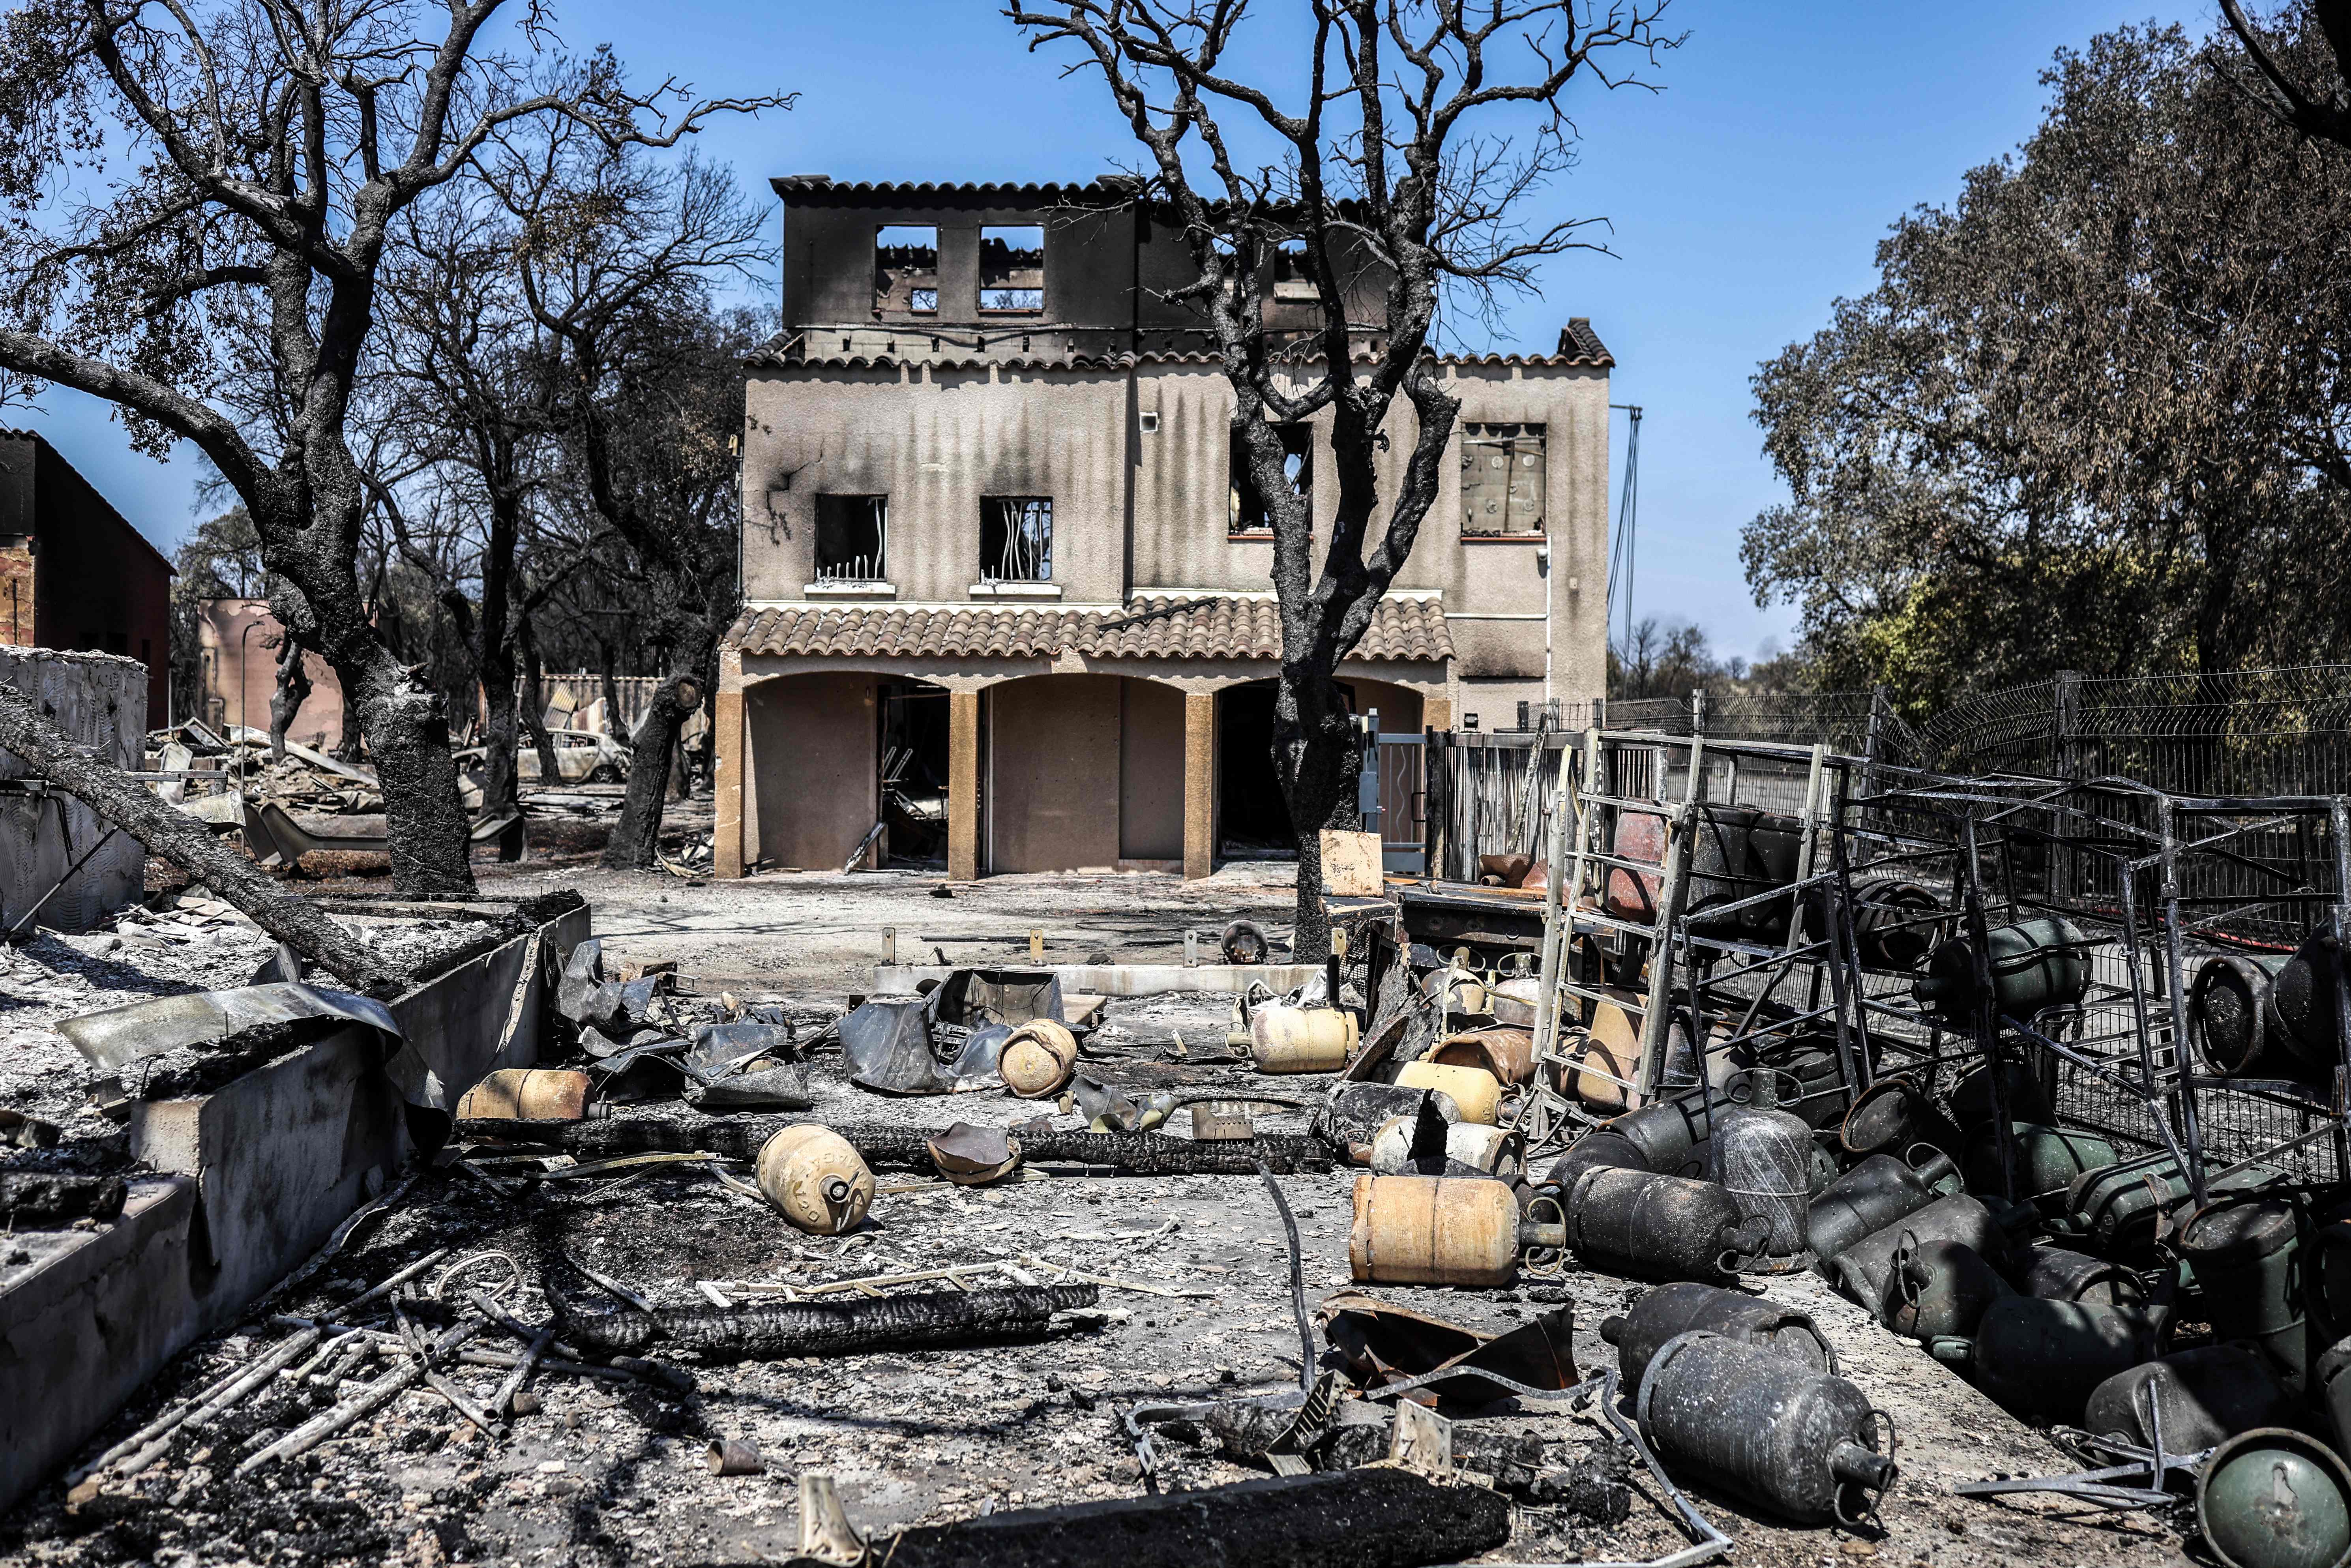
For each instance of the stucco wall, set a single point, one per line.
(101, 700)
(1150, 771)
(237, 639)
(811, 767)
(1054, 773)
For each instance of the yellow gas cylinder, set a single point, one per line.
(1284, 1039)
(1468, 1142)
(1040, 1057)
(526, 1094)
(1478, 1091)
(1434, 1230)
(816, 1179)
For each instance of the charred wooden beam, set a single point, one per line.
(892, 1148)
(924, 1321)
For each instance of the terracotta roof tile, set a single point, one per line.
(1152, 627)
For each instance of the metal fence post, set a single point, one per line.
(1698, 711)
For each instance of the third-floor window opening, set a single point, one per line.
(1012, 269)
(906, 268)
(1016, 539)
(1502, 479)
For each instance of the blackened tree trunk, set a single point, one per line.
(534, 706)
(128, 805)
(636, 837)
(607, 662)
(293, 691)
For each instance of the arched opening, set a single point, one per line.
(914, 774)
(1082, 772)
(811, 789)
(1252, 818)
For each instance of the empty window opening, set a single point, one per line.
(1291, 278)
(1016, 539)
(1502, 479)
(906, 268)
(1012, 269)
(852, 539)
(1246, 506)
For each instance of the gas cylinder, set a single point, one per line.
(1654, 1227)
(1895, 923)
(2035, 965)
(1941, 1288)
(526, 1094)
(1283, 1039)
(2058, 1274)
(1670, 1134)
(2273, 1498)
(1508, 1054)
(1470, 1143)
(2245, 1253)
(1434, 1230)
(1862, 1272)
(1801, 1443)
(1477, 1092)
(1762, 1156)
(816, 1179)
(2043, 1358)
(1876, 1193)
(2205, 1396)
(1038, 1059)
(2301, 1001)
(2229, 1018)
(1672, 1310)
(2043, 1160)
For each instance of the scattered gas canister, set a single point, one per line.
(1039, 1059)
(2229, 1018)
(2334, 1389)
(816, 1179)
(2034, 965)
(2028, 1100)
(2044, 1161)
(2302, 1000)
(1656, 1227)
(1673, 1309)
(1434, 1230)
(2273, 1498)
(1671, 1135)
(1863, 1272)
(1895, 923)
(1801, 1443)
(2059, 1274)
(1762, 1156)
(1284, 1039)
(1598, 1148)
(1477, 1092)
(2205, 1396)
(2043, 1358)
(1941, 1288)
(1876, 1193)
(2244, 1253)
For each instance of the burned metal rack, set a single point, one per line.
(1647, 975)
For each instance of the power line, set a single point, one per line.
(1628, 518)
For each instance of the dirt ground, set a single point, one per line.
(609, 1472)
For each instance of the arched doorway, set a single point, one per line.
(1083, 773)
(1252, 819)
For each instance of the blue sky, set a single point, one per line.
(1743, 198)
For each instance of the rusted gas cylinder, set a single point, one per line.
(2205, 1396)
(2044, 1358)
(1862, 1272)
(1477, 1092)
(816, 1179)
(2246, 1256)
(1654, 1227)
(1762, 1156)
(1284, 1039)
(2028, 1098)
(1801, 1443)
(1935, 1169)
(526, 1094)
(1507, 1053)
(1941, 1288)
(2059, 1274)
(2035, 965)
(1605, 1058)
(1673, 1309)
(1809, 1078)
(1434, 1230)
(2229, 1019)
(1038, 1059)
(1876, 1193)
(2273, 1498)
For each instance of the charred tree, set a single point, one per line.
(636, 837)
(1392, 192)
(292, 691)
(534, 703)
(930, 1320)
(128, 805)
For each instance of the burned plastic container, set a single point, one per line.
(1653, 1226)
(1673, 1309)
(1762, 1156)
(1862, 1272)
(1876, 1193)
(1941, 1288)
(2273, 1498)
(2034, 965)
(2205, 1396)
(2245, 1253)
(1801, 1443)
(2043, 1160)
(2059, 1274)
(2229, 1018)
(2045, 1358)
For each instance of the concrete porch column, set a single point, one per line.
(1199, 784)
(963, 786)
(726, 713)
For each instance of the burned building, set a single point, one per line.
(1006, 590)
(74, 574)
